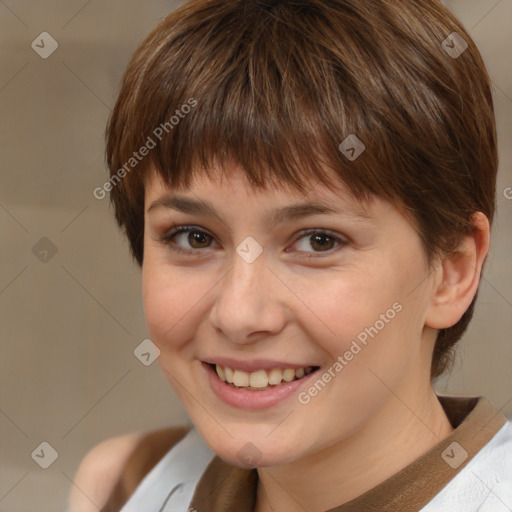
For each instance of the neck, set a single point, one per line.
(354, 465)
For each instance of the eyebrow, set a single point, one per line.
(277, 216)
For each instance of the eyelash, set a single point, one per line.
(168, 240)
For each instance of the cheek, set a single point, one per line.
(345, 303)
(373, 309)
(173, 303)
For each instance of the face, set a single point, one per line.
(314, 304)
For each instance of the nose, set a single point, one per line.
(249, 303)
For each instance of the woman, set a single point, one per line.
(308, 187)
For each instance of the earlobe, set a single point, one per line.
(459, 276)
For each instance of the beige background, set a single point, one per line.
(69, 325)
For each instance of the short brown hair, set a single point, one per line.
(278, 85)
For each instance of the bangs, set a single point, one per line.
(308, 91)
(234, 92)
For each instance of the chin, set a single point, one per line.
(250, 450)
(250, 456)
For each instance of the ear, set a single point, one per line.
(459, 276)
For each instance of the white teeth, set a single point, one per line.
(228, 372)
(275, 376)
(261, 378)
(240, 378)
(289, 374)
(258, 379)
(220, 372)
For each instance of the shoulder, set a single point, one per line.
(485, 483)
(111, 471)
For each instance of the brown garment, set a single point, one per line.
(149, 450)
(226, 488)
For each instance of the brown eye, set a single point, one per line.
(198, 239)
(187, 240)
(318, 241)
(321, 242)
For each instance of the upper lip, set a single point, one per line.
(254, 364)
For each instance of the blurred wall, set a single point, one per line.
(70, 306)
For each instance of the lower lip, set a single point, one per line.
(245, 399)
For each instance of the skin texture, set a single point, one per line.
(305, 302)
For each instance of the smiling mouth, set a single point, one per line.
(260, 380)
